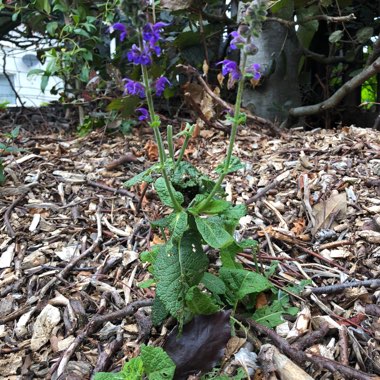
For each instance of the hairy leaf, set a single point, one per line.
(157, 363)
(201, 344)
(213, 283)
(213, 232)
(132, 370)
(200, 303)
(145, 176)
(163, 193)
(232, 216)
(178, 269)
(241, 282)
(235, 165)
(215, 206)
(159, 312)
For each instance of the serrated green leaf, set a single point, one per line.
(178, 224)
(163, 193)
(159, 312)
(213, 232)
(109, 376)
(145, 176)
(200, 303)
(241, 282)
(157, 363)
(133, 369)
(213, 283)
(235, 165)
(178, 269)
(232, 216)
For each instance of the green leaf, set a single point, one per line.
(235, 165)
(200, 303)
(35, 72)
(157, 363)
(336, 36)
(109, 376)
(163, 193)
(241, 282)
(159, 312)
(51, 27)
(15, 132)
(44, 82)
(178, 269)
(364, 34)
(146, 284)
(271, 315)
(145, 176)
(232, 216)
(2, 175)
(133, 369)
(214, 206)
(126, 105)
(178, 224)
(213, 283)
(213, 232)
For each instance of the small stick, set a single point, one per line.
(343, 345)
(374, 283)
(308, 340)
(335, 244)
(109, 188)
(7, 215)
(262, 192)
(301, 358)
(92, 327)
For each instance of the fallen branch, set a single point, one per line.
(308, 340)
(109, 188)
(92, 327)
(262, 192)
(7, 215)
(301, 358)
(333, 101)
(374, 283)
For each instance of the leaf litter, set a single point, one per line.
(72, 234)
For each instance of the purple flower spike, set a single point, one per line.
(255, 70)
(230, 67)
(120, 28)
(132, 87)
(237, 40)
(138, 57)
(144, 113)
(161, 84)
(151, 32)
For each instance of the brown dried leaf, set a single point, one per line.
(151, 149)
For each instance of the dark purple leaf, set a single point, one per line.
(201, 344)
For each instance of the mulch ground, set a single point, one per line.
(71, 236)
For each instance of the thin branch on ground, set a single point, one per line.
(301, 357)
(7, 215)
(108, 188)
(373, 283)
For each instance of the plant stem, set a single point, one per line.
(154, 122)
(169, 136)
(234, 128)
(189, 132)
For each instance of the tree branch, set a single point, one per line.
(305, 20)
(333, 101)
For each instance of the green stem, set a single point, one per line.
(154, 122)
(188, 135)
(234, 128)
(169, 135)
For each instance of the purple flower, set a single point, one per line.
(132, 87)
(161, 84)
(144, 113)
(237, 40)
(121, 28)
(255, 70)
(151, 32)
(230, 67)
(138, 57)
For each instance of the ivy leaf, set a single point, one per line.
(145, 176)
(200, 303)
(241, 282)
(213, 232)
(157, 363)
(178, 269)
(163, 193)
(235, 165)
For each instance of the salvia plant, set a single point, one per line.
(199, 214)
